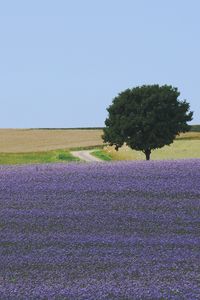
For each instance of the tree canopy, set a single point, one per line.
(146, 118)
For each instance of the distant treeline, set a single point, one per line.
(76, 128)
(194, 128)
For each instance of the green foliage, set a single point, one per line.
(195, 128)
(64, 156)
(102, 155)
(86, 147)
(36, 157)
(146, 118)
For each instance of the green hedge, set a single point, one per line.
(195, 128)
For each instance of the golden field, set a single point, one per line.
(36, 140)
(40, 145)
(187, 145)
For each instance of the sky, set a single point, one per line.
(63, 61)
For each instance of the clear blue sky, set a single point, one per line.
(63, 61)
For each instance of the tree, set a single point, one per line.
(146, 118)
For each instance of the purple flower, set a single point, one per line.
(125, 230)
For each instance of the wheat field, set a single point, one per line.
(35, 140)
(186, 145)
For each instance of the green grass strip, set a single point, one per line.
(101, 154)
(37, 157)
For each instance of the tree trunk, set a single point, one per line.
(147, 153)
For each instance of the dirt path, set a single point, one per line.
(86, 155)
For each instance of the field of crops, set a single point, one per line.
(34, 140)
(126, 230)
(20, 146)
(187, 145)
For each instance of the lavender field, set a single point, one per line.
(100, 231)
